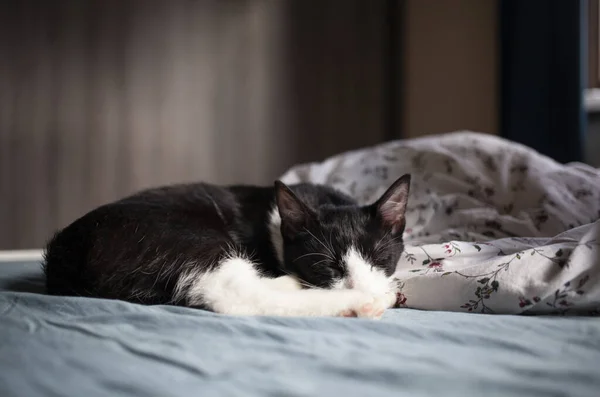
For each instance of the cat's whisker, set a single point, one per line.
(320, 242)
(386, 246)
(309, 285)
(380, 247)
(319, 262)
(311, 254)
(384, 237)
(330, 235)
(301, 282)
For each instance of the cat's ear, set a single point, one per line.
(391, 207)
(295, 215)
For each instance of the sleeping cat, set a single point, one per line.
(302, 250)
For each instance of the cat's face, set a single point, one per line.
(344, 246)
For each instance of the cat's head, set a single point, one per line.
(346, 246)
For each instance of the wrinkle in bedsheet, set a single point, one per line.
(409, 353)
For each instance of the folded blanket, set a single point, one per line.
(492, 226)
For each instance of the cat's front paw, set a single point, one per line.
(374, 309)
(353, 302)
(367, 306)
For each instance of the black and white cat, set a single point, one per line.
(302, 250)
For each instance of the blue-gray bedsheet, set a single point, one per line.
(54, 346)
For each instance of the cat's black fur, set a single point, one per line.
(137, 248)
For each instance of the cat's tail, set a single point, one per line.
(64, 259)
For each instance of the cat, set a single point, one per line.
(298, 250)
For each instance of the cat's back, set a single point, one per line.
(157, 210)
(138, 228)
(180, 196)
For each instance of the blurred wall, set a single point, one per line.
(99, 98)
(451, 66)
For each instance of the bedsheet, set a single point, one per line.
(492, 225)
(56, 346)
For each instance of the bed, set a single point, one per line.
(463, 327)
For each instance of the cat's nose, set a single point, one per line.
(349, 283)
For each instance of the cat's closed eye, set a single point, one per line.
(327, 269)
(336, 273)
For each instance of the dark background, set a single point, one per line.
(99, 98)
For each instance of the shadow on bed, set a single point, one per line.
(33, 284)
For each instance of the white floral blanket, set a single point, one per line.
(492, 226)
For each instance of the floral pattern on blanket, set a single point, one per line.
(492, 226)
(491, 274)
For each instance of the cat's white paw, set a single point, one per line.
(349, 302)
(374, 309)
(390, 299)
(366, 306)
(369, 306)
